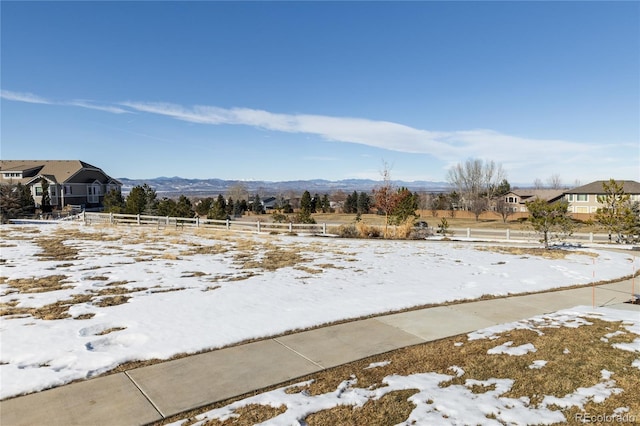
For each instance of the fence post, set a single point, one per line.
(324, 229)
(111, 218)
(229, 224)
(258, 226)
(138, 219)
(508, 234)
(468, 232)
(197, 221)
(290, 227)
(84, 217)
(590, 237)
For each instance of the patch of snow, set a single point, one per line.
(377, 364)
(506, 348)
(538, 364)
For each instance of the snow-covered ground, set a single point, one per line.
(436, 402)
(190, 292)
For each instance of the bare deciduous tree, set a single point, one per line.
(555, 182)
(538, 184)
(238, 192)
(477, 181)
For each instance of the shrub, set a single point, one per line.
(348, 231)
(367, 231)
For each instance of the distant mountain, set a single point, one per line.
(174, 186)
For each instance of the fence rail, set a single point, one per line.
(522, 235)
(316, 229)
(196, 222)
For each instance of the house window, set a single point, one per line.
(511, 200)
(569, 197)
(38, 191)
(68, 190)
(582, 197)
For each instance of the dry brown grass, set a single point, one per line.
(267, 256)
(37, 285)
(112, 301)
(110, 330)
(53, 248)
(250, 415)
(524, 252)
(391, 409)
(576, 357)
(52, 311)
(110, 295)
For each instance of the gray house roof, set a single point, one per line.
(628, 186)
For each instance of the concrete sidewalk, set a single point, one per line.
(149, 394)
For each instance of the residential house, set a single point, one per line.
(71, 182)
(584, 199)
(516, 200)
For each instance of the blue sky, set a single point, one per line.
(303, 90)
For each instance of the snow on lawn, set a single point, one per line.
(437, 402)
(139, 294)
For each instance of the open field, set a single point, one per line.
(95, 298)
(461, 220)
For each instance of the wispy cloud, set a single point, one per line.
(89, 105)
(35, 99)
(444, 145)
(23, 97)
(548, 156)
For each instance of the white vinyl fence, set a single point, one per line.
(196, 222)
(162, 222)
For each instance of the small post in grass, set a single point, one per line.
(593, 285)
(633, 281)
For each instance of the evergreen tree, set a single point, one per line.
(616, 212)
(305, 203)
(204, 205)
(243, 207)
(351, 203)
(151, 203)
(113, 202)
(315, 202)
(184, 207)
(257, 205)
(239, 208)
(406, 204)
(166, 207)
(551, 220)
(10, 206)
(230, 207)
(364, 203)
(28, 205)
(325, 204)
(136, 201)
(45, 203)
(219, 209)
(503, 188)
